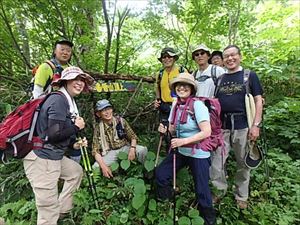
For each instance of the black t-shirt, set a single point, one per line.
(231, 95)
(55, 113)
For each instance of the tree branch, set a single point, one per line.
(5, 19)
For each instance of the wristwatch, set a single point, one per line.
(258, 124)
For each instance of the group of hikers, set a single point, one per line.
(218, 75)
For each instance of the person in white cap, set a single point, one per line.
(187, 132)
(231, 91)
(43, 77)
(206, 74)
(112, 135)
(58, 124)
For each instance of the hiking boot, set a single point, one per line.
(242, 204)
(65, 219)
(208, 214)
(164, 193)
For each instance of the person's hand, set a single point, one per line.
(131, 153)
(106, 171)
(81, 143)
(162, 129)
(177, 142)
(79, 122)
(253, 133)
(157, 103)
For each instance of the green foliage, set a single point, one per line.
(282, 124)
(266, 31)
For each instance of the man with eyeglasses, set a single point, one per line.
(206, 74)
(164, 96)
(231, 92)
(216, 58)
(48, 70)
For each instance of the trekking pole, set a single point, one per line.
(174, 186)
(89, 173)
(158, 149)
(165, 123)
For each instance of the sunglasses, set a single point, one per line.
(167, 56)
(184, 85)
(199, 53)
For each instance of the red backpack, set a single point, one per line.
(17, 136)
(216, 138)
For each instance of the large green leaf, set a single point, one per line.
(197, 221)
(152, 205)
(124, 218)
(125, 164)
(122, 155)
(184, 221)
(139, 188)
(192, 213)
(138, 201)
(149, 165)
(114, 166)
(150, 156)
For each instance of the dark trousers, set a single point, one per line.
(200, 173)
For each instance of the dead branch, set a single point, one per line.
(132, 97)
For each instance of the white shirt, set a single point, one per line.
(206, 88)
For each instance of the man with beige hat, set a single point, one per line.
(206, 74)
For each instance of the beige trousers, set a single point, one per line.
(43, 175)
(112, 155)
(237, 141)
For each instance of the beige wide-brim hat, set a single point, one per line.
(200, 47)
(254, 155)
(71, 73)
(184, 78)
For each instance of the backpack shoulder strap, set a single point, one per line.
(218, 83)
(195, 73)
(51, 64)
(246, 80)
(181, 69)
(161, 72)
(120, 120)
(192, 108)
(213, 73)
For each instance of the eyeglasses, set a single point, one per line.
(199, 53)
(230, 55)
(216, 58)
(167, 56)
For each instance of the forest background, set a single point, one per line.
(114, 41)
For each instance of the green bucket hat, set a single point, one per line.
(170, 51)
